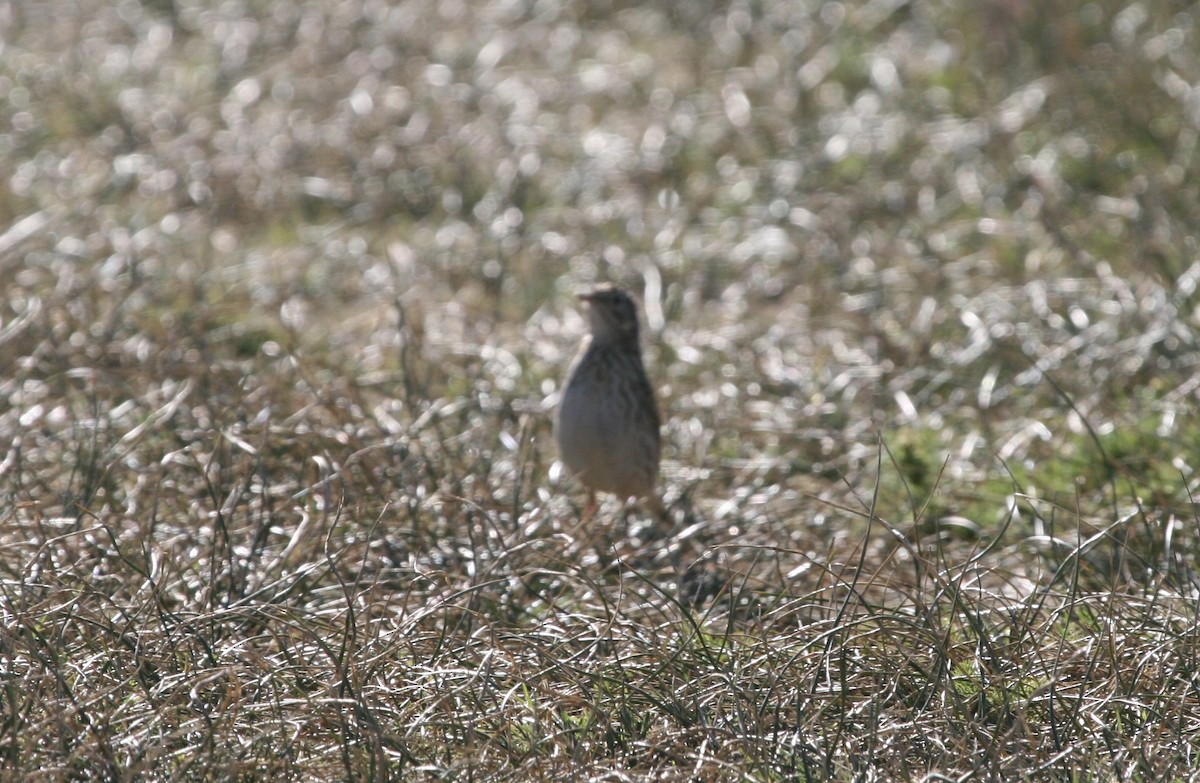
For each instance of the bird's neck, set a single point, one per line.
(612, 341)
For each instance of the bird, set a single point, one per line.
(607, 423)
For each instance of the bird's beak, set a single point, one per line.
(586, 296)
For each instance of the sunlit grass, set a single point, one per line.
(287, 295)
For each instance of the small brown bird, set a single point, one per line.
(607, 424)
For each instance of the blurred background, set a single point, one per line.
(286, 294)
(845, 220)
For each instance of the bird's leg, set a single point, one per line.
(590, 510)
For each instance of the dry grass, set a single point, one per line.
(285, 295)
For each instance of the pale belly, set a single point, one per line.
(606, 447)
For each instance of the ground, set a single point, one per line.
(286, 299)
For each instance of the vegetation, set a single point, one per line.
(285, 297)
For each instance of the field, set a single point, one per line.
(287, 295)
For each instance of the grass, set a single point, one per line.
(286, 299)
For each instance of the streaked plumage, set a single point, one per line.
(607, 425)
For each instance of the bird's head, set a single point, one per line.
(611, 313)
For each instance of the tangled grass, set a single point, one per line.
(285, 304)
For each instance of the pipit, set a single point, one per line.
(607, 424)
